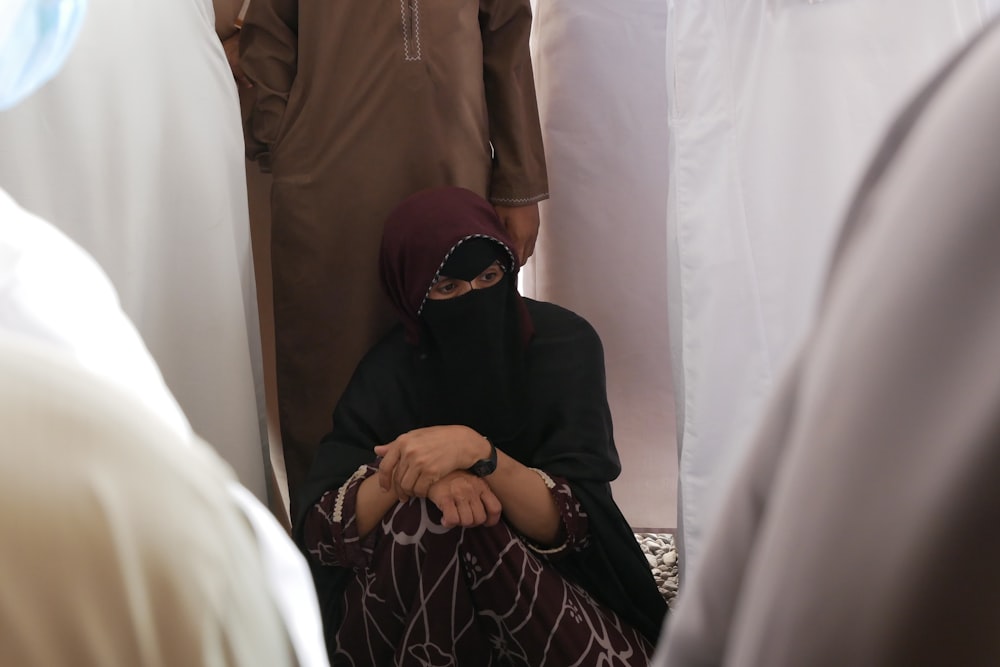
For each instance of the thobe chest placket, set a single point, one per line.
(410, 14)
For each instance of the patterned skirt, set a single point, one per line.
(477, 597)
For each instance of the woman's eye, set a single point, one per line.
(444, 288)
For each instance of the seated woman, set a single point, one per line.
(460, 512)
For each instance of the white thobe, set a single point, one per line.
(860, 525)
(775, 108)
(135, 151)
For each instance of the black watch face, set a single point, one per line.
(484, 467)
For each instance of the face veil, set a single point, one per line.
(474, 360)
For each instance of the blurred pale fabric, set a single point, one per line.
(122, 545)
(134, 150)
(54, 292)
(55, 296)
(774, 109)
(859, 527)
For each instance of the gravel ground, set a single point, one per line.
(662, 557)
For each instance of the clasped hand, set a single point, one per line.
(431, 463)
(465, 500)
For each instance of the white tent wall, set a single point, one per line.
(774, 109)
(602, 246)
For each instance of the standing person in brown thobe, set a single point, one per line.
(360, 104)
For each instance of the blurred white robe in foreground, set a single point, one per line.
(121, 546)
(775, 107)
(860, 527)
(55, 297)
(52, 291)
(135, 151)
(126, 539)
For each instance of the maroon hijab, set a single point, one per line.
(421, 233)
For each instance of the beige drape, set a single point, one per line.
(122, 545)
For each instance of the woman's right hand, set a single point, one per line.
(465, 500)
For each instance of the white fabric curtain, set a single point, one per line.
(134, 150)
(602, 246)
(774, 110)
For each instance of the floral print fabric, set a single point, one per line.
(428, 596)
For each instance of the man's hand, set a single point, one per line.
(414, 461)
(231, 45)
(521, 223)
(465, 500)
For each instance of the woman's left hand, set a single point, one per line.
(416, 460)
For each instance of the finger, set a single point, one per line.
(387, 469)
(478, 513)
(465, 514)
(449, 514)
(399, 491)
(397, 488)
(492, 506)
(407, 479)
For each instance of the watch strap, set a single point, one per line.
(487, 466)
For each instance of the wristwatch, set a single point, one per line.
(484, 467)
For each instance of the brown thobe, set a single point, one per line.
(861, 527)
(226, 14)
(360, 104)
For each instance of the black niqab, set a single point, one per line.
(475, 361)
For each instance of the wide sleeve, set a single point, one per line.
(577, 444)
(330, 531)
(567, 376)
(573, 529)
(519, 177)
(268, 55)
